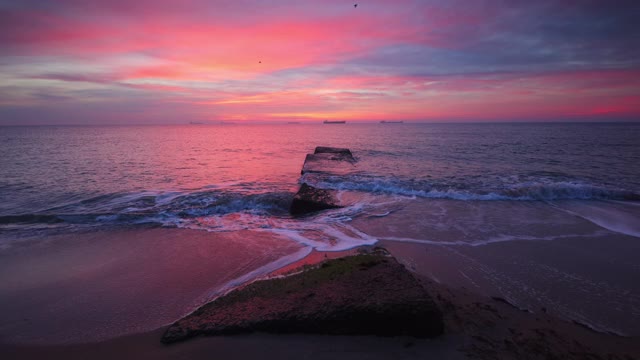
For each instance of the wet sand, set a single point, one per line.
(150, 276)
(535, 254)
(593, 280)
(476, 327)
(87, 287)
(254, 346)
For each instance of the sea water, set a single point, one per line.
(458, 187)
(196, 175)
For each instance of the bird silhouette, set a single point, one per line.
(355, 5)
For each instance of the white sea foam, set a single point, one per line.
(540, 189)
(494, 239)
(258, 273)
(331, 238)
(613, 216)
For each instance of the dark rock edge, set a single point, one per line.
(366, 294)
(309, 199)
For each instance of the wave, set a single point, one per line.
(173, 208)
(526, 191)
(568, 191)
(210, 210)
(148, 206)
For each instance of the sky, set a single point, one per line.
(159, 61)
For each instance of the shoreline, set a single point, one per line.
(596, 288)
(476, 326)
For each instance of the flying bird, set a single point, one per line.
(355, 5)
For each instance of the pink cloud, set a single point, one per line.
(408, 59)
(233, 44)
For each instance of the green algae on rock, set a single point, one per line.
(366, 294)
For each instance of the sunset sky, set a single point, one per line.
(159, 61)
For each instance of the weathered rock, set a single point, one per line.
(329, 160)
(335, 164)
(332, 150)
(368, 294)
(309, 199)
(324, 161)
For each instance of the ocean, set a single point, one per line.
(542, 214)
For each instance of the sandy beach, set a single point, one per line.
(253, 346)
(598, 287)
(476, 327)
(93, 286)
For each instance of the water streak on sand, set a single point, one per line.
(255, 275)
(612, 216)
(496, 239)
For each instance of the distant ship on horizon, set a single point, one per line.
(334, 122)
(391, 122)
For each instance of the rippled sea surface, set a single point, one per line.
(173, 174)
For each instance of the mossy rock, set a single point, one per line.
(366, 294)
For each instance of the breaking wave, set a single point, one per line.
(525, 191)
(180, 208)
(147, 206)
(209, 210)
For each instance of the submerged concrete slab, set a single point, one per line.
(336, 164)
(333, 150)
(329, 160)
